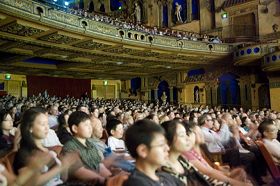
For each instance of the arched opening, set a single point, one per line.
(228, 91)
(163, 87)
(264, 96)
(175, 95)
(195, 10)
(165, 16)
(135, 85)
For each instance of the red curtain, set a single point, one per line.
(58, 86)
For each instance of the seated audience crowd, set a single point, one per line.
(48, 140)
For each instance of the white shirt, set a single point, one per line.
(273, 147)
(212, 140)
(52, 120)
(51, 140)
(116, 143)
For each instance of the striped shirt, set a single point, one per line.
(89, 154)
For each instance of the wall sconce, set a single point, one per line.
(224, 15)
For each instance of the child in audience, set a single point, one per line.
(114, 128)
(269, 132)
(146, 143)
(92, 169)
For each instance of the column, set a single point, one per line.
(189, 10)
(156, 93)
(149, 95)
(107, 6)
(170, 16)
(160, 14)
(171, 94)
(274, 91)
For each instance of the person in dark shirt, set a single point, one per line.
(146, 143)
(6, 139)
(63, 131)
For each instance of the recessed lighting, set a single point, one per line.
(168, 66)
(119, 63)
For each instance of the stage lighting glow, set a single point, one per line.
(55, 0)
(120, 7)
(66, 3)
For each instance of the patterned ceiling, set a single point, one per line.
(36, 48)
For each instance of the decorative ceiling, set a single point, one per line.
(32, 44)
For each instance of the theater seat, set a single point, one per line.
(272, 167)
(117, 180)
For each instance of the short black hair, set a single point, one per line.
(76, 118)
(112, 125)
(141, 132)
(264, 124)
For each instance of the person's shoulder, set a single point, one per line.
(168, 179)
(135, 181)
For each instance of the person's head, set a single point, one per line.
(114, 128)
(34, 126)
(63, 119)
(179, 140)
(268, 129)
(53, 110)
(145, 141)
(6, 121)
(154, 118)
(97, 129)
(80, 125)
(95, 112)
(82, 108)
(205, 120)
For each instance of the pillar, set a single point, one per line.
(171, 94)
(170, 16)
(189, 10)
(156, 93)
(107, 6)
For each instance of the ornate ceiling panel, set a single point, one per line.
(61, 46)
(58, 38)
(19, 29)
(91, 45)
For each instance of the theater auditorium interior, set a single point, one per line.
(139, 92)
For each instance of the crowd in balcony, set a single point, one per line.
(184, 35)
(130, 142)
(137, 26)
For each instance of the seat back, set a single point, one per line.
(272, 167)
(117, 180)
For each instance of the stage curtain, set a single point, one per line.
(58, 86)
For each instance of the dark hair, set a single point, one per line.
(76, 118)
(151, 116)
(78, 108)
(201, 120)
(263, 125)
(112, 125)
(61, 119)
(170, 128)
(3, 115)
(28, 119)
(141, 132)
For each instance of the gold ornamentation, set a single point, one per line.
(91, 45)
(21, 30)
(58, 38)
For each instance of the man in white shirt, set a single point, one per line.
(52, 117)
(269, 132)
